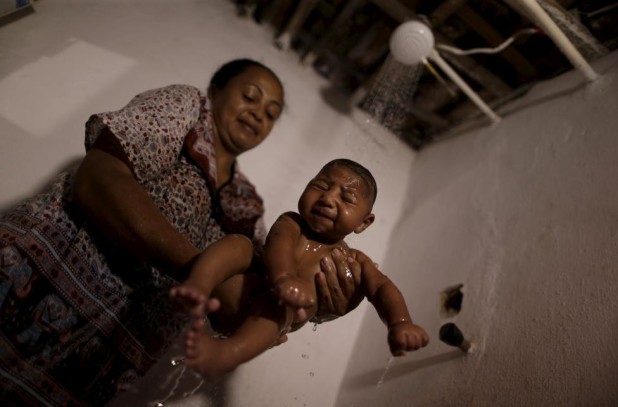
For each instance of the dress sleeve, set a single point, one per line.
(151, 128)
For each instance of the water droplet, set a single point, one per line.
(304, 356)
(311, 374)
(390, 96)
(177, 361)
(388, 365)
(179, 374)
(315, 327)
(192, 392)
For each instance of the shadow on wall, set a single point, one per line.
(373, 377)
(70, 166)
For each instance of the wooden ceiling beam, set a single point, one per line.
(444, 11)
(473, 70)
(477, 23)
(395, 9)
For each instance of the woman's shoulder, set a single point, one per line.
(179, 87)
(175, 93)
(241, 185)
(190, 89)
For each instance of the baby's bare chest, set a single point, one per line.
(309, 254)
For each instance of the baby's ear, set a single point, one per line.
(367, 221)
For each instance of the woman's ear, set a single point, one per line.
(366, 223)
(212, 91)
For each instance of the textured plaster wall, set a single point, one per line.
(525, 215)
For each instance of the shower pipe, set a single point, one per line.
(476, 99)
(560, 39)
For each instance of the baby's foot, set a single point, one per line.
(206, 355)
(189, 299)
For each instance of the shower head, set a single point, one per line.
(411, 42)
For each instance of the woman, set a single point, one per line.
(85, 267)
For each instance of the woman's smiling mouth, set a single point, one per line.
(249, 126)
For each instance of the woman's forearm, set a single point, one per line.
(110, 196)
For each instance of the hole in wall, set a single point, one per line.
(451, 299)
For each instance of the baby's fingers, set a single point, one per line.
(418, 340)
(398, 344)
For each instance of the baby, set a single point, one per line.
(337, 202)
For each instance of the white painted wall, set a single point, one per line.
(70, 59)
(525, 215)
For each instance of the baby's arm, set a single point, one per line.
(280, 264)
(403, 334)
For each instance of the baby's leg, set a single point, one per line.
(207, 355)
(213, 357)
(229, 256)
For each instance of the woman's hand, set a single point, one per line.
(336, 286)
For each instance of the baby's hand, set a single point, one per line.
(405, 337)
(294, 292)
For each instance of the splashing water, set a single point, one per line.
(388, 365)
(174, 362)
(389, 98)
(161, 403)
(192, 392)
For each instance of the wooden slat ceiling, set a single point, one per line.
(346, 41)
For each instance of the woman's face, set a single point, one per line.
(246, 109)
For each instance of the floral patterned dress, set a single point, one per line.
(79, 319)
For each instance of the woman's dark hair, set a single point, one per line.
(359, 170)
(232, 69)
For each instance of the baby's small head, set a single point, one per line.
(338, 201)
(370, 185)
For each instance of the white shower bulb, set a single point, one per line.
(411, 42)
